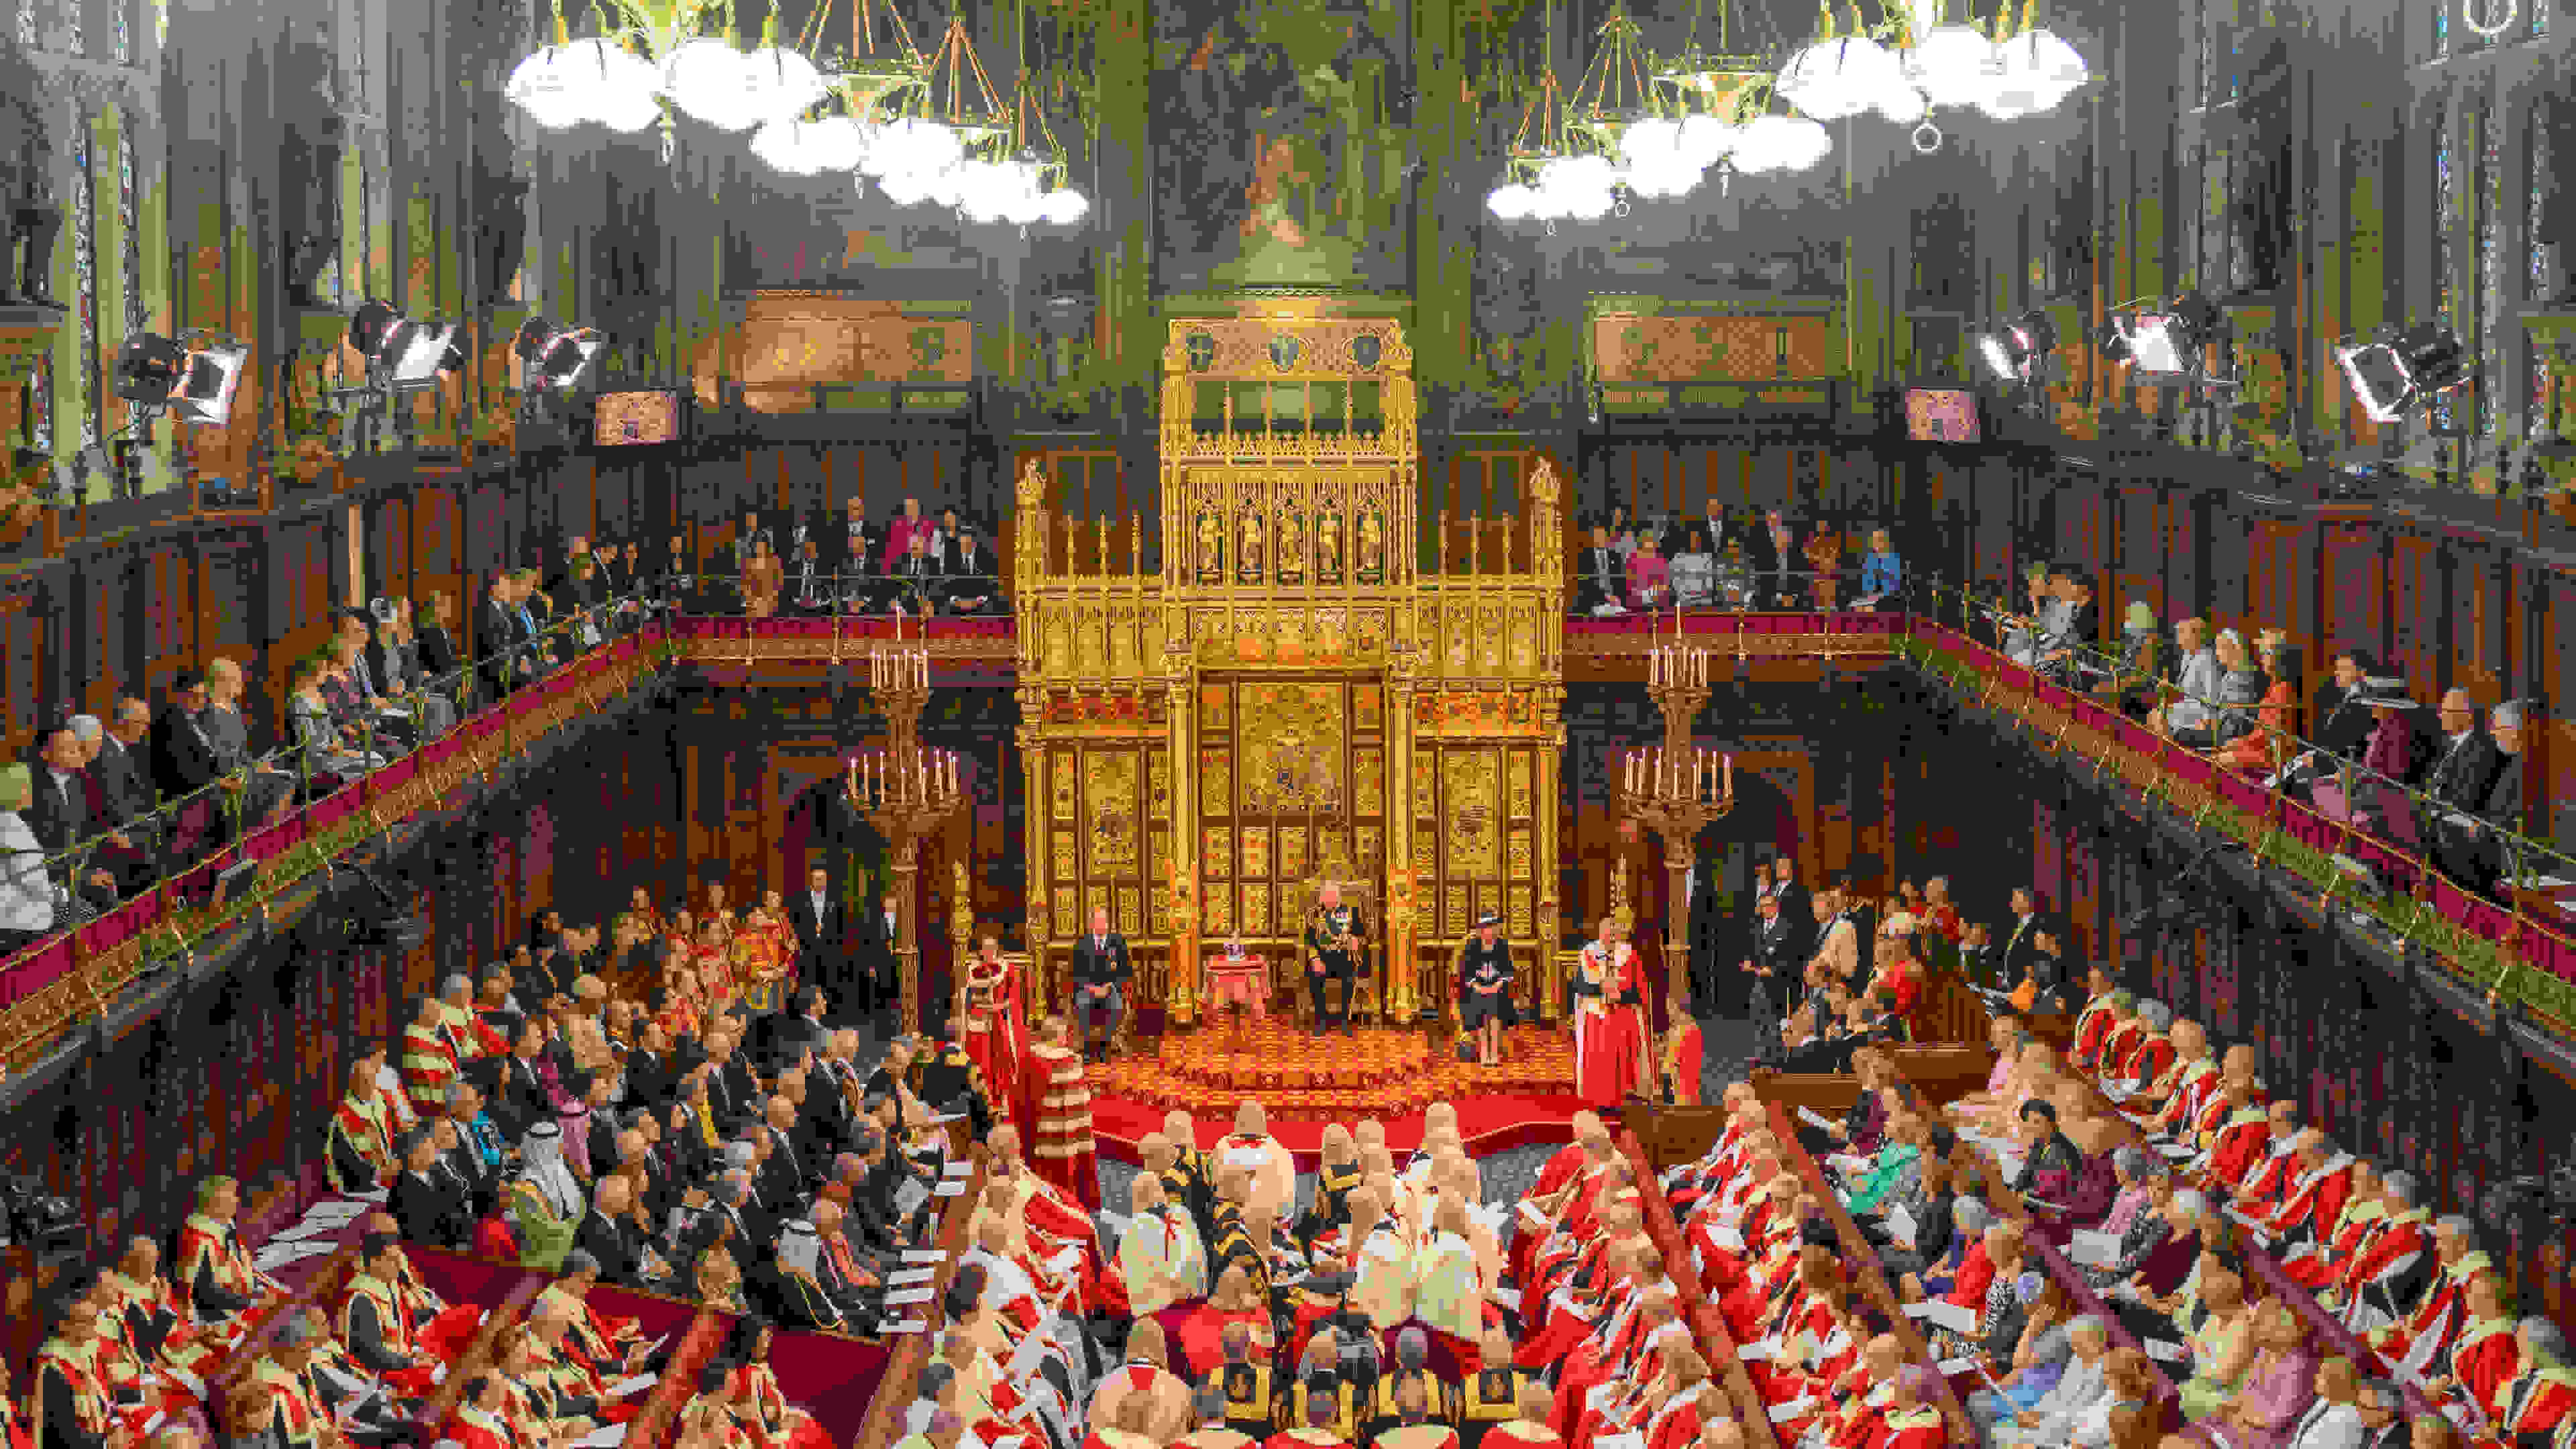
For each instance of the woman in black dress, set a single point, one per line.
(1485, 989)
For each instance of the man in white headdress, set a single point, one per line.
(545, 1200)
(1251, 1148)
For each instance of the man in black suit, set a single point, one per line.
(2067, 651)
(877, 989)
(63, 815)
(518, 1090)
(608, 1234)
(498, 637)
(431, 1210)
(793, 1165)
(1776, 965)
(474, 1164)
(809, 584)
(183, 758)
(1600, 577)
(822, 927)
(1101, 971)
(733, 1085)
(974, 586)
(804, 1033)
(2465, 762)
(2008, 958)
(122, 768)
(918, 575)
(2471, 845)
(1775, 557)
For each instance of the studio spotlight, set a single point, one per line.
(2163, 341)
(204, 394)
(552, 357)
(2389, 378)
(403, 355)
(2014, 350)
(148, 366)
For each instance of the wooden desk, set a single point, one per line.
(1862, 1260)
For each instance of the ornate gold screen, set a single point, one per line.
(1286, 693)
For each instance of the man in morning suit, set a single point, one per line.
(877, 988)
(1333, 942)
(1101, 971)
(822, 926)
(2006, 960)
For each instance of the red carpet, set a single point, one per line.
(1493, 1122)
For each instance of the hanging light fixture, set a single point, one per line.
(1951, 64)
(1840, 76)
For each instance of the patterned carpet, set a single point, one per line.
(1379, 1072)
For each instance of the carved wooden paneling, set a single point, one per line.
(1714, 348)
(230, 608)
(22, 664)
(792, 342)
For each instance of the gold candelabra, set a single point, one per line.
(1676, 789)
(907, 793)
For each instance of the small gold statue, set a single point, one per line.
(1211, 547)
(1247, 552)
(1328, 547)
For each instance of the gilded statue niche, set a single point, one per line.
(1291, 560)
(1249, 543)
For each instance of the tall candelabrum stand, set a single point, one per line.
(1676, 791)
(907, 793)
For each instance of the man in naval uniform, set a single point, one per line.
(1333, 954)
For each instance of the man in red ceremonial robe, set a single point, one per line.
(1060, 1145)
(1566, 1203)
(2540, 1399)
(2419, 1341)
(377, 1326)
(1614, 1268)
(69, 1374)
(2485, 1354)
(1048, 1226)
(216, 1277)
(2242, 1143)
(478, 1421)
(1913, 1422)
(2316, 1263)
(1609, 1019)
(2320, 1179)
(994, 1026)
(2093, 1024)
(2363, 1288)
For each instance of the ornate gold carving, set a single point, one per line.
(1256, 909)
(1250, 545)
(1453, 914)
(1368, 708)
(1292, 851)
(1519, 896)
(1292, 736)
(1372, 847)
(1426, 788)
(1220, 912)
(1517, 772)
(1368, 781)
(1068, 912)
(1216, 853)
(1066, 868)
(1110, 792)
(1130, 905)
(1158, 784)
(1065, 766)
(1216, 707)
(1470, 787)
(1256, 852)
(1517, 856)
(1216, 783)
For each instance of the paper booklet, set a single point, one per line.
(1953, 1367)
(958, 1169)
(1762, 1351)
(606, 1437)
(949, 1189)
(637, 1384)
(1508, 1297)
(2177, 1150)
(924, 1255)
(2093, 1249)
(1783, 1413)
(909, 1325)
(1944, 1315)
(1619, 1441)
(1530, 1214)
(1731, 1239)
(909, 1196)
(910, 1276)
(1900, 1224)
(2164, 1350)
(154, 1422)
(1809, 1116)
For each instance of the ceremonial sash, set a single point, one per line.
(294, 1399)
(429, 1068)
(2302, 1198)
(393, 1323)
(78, 1368)
(202, 1238)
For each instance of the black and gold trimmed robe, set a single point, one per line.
(1250, 1399)
(1486, 1399)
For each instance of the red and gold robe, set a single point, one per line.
(774, 1423)
(1916, 1428)
(366, 1125)
(1061, 1148)
(1609, 1035)
(995, 1032)
(2092, 1027)
(213, 1243)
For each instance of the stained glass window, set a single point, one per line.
(2490, 308)
(129, 211)
(85, 280)
(2445, 196)
(2536, 262)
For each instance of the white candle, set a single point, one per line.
(1730, 777)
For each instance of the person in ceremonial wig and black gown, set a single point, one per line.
(1485, 989)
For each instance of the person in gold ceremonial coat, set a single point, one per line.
(1314, 1431)
(1215, 1430)
(359, 1150)
(1491, 1394)
(1532, 1428)
(157, 1320)
(1060, 1146)
(759, 965)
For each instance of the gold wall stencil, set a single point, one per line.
(1109, 797)
(1256, 910)
(1368, 782)
(1517, 771)
(1216, 783)
(1292, 852)
(1216, 856)
(1256, 852)
(1470, 811)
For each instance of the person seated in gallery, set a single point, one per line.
(973, 585)
(1649, 577)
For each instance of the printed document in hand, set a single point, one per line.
(958, 1169)
(2092, 1249)
(607, 1436)
(909, 1325)
(1727, 1237)
(1900, 1224)
(2165, 1350)
(1760, 1351)
(910, 1276)
(909, 1196)
(1783, 1413)
(636, 1384)
(1953, 1367)
(1809, 1116)
(2177, 1150)
(1530, 1214)
(907, 1298)
(949, 1189)
(1619, 1441)
(925, 1255)
(1509, 1297)
(1945, 1315)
